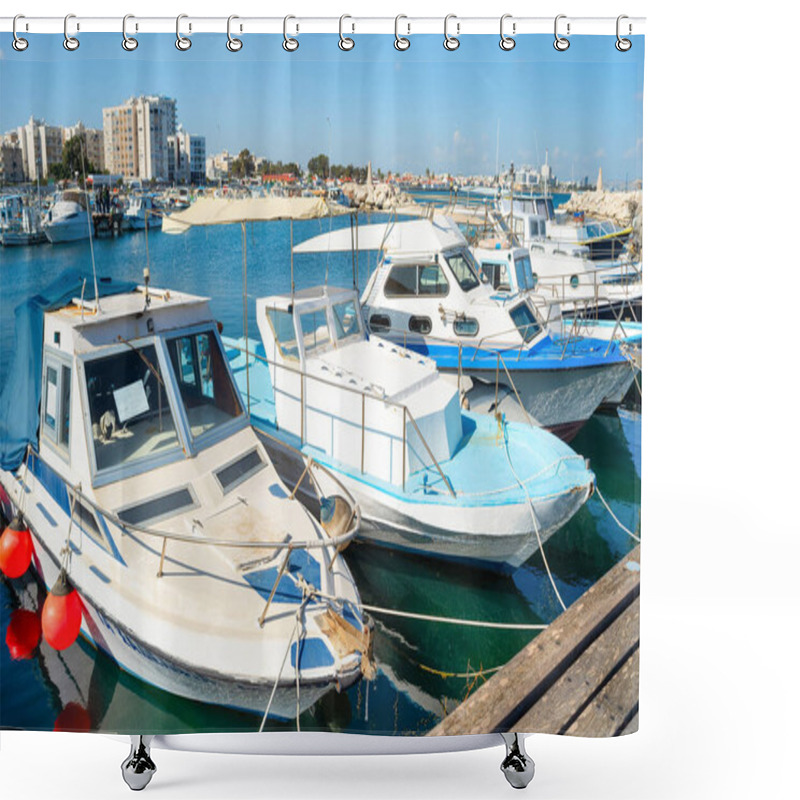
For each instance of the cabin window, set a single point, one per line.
(424, 280)
(465, 270)
(573, 281)
(55, 403)
(315, 331)
(205, 386)
(420, 325)
(525, 322)
(497, 275)
(283, 327)
(85, 518)
(466, 327)
(128, 408)
(380, 323)
(345, 317)
(522, 268)
(402, 282)
(534, 280)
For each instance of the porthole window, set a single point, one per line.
(380, 323)
(535, 279)
(466, 327)
(420, 325)
(573, 281)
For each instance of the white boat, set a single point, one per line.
(68, 219)
(426, 294)
(19, 222)
(197, 569)
(140, 213)
(428, 477)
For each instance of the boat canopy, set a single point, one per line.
(223, 211)
(416, 236)
(22, 390)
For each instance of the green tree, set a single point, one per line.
(319, 165)
(244, 165)
(73, 160)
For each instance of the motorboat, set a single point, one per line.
(426, 294)
(429, 477)
(68, 219)
(127, 454)
(141, 213)
(20, 223)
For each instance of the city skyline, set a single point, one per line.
(422, 109)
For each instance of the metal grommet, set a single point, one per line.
(345, 42)
(182, 42)
(19, 44)
(451, 42)
(507, 42)
(128, 42)
(233, 44)
(70, 42)
(401, 42)
(623, 45)
(289, 44)
(561, 44)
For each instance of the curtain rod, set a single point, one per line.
(404, 25)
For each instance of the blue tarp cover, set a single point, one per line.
(22, 390)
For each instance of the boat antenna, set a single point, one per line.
(91, 232)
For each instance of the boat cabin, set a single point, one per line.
(357, 398)
(131, 383)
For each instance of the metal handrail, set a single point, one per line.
(364, 395)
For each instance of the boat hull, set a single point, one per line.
(559, 400)
(70, 231)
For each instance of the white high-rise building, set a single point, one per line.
(41, 146)
(187, 158)
(136, 137)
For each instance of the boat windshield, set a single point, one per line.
(525, 322)
(128, 407)
(345, 317)
(524, 273)
(205, 386)
(465, 270)
(315, 331)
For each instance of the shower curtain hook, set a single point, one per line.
(507, 42)
(561, 44)
(128, 42)
(623, 45)
(182, 42)
(19, 44)
(70, 42)
(233, 44)
(289, 44)
(345, 42)
(451, 42)
(401, 42)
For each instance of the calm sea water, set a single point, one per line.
(424, 668)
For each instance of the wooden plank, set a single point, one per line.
(504, 698)
(614, 706)
(570, 694)
(632, 726)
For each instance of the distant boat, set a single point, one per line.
(68, 218)
(426, 294)
(141, 213)
(428, 477)
(196, 568)
(20, 223)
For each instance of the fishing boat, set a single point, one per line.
(68, 218)
(129, 465)
(19, 222)
(426, 294)
(140, 213)
(428, 476)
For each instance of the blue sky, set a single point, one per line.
(425, 107)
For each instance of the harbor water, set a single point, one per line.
(424, 668)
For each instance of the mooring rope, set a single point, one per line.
(614, 516)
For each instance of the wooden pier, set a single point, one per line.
(106, 223)
(578, 677)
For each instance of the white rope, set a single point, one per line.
(614, 516)
(533, 517)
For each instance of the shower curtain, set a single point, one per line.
(321, 383)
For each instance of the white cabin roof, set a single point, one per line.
(312, 296)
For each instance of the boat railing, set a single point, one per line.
(364, 395)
